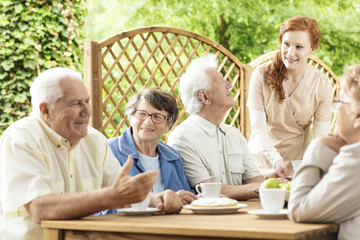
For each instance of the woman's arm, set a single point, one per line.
(323, 114)
(259, 134)
(264, 143)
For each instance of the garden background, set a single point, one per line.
(38, 34)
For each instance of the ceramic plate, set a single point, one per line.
(263, 214)
(215, 210)
(135, 212)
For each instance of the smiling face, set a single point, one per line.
(220, 95)
(71, 113)
(145, 131)
(295, 49)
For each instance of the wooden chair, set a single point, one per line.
(119, 66)
(312, 60)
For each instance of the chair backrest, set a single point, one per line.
(119, 66)
(313, 61)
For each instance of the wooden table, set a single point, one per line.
(187, 225)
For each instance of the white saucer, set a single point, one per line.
(264, 214)
(215, 210)
(135, 212)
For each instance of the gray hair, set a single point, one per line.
(194, 80)
(158, 99)
(46, 87)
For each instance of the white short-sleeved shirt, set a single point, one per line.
(209, 152)
(35, 160)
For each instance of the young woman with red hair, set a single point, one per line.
(286, 97)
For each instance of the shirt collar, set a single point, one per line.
(208, 127)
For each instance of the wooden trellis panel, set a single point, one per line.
(120, 66)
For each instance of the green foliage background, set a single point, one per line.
(248, 28)
(35, 35)
(38, 34)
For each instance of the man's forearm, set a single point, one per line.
(68, 206)
(240, 192)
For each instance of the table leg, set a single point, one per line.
(52, 234)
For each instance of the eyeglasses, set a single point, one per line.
(336, 103)
(155, 117)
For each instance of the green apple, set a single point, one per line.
(270, 183)
(287, 186)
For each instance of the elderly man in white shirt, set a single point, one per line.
(54, 166)
(213, 151)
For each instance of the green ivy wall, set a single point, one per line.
(35, 35)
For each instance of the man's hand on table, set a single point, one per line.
(168, 201)
(186, 196)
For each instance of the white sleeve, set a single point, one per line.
(262, 139)
(324, 187)
(321, 128)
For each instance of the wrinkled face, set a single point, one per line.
(220, 95)
(71, 113)
(345, 117)
(146, 131)
(295, 49)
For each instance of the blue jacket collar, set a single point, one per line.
(127, 146)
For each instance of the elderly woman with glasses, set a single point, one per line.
(326, 186)
(152, 113)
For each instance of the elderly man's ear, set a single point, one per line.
(204, 97)
(44, 111)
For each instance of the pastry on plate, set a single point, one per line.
(214, 202)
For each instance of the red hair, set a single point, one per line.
(276, 70)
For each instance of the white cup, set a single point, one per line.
(141, 206)
(209, 189)
(272, 199)
(296, 164)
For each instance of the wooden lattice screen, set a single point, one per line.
(123, 64)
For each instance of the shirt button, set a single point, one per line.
(58, 146)
(70, 175)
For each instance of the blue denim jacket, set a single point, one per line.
(171, 165)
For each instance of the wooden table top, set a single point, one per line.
(238, 225)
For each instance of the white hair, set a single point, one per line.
(46, 87)
(194, 80)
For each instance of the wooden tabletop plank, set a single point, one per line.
(240, 224)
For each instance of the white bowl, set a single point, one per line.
(287, 195)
